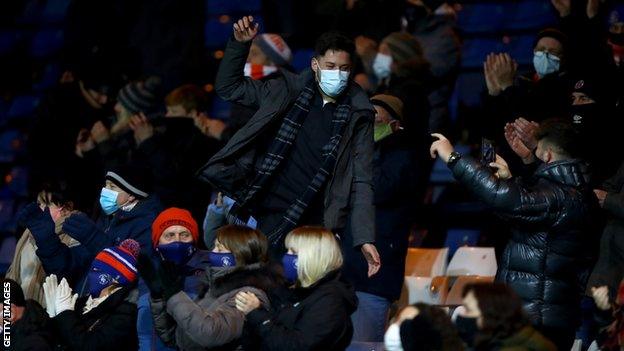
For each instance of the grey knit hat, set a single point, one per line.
(141, 96)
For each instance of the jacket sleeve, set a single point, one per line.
(313, 330)
(215, 219)
(362, 195)
(507, 196)
(78, 336)
(231, 84)
(164, 324)
(57, 258)
(207, 328)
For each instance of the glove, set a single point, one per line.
(150, 276)
(83, 229)
(26, 214)
(39, 222)
(64, 300)
(172, 278)
(49, 293)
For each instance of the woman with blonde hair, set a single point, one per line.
(317, 315)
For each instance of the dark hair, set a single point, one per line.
(501, 311)
(190, 97)
(335, 41)
(247, 245)
(431, 330)
(561, 135)
(57, 193)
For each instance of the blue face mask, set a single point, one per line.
(290, 267)
(178, 252)
(219, 259)
(108, 201)
(333, 81)
(98, 281)
(382, 65)
(545, 63)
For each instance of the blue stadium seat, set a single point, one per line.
(301, 59)
(12, 143)
(247, 6)
(521, 48)
(220, 7)
(470, 86)
(46, 43)
(483, 17)
(456, 238)
(49, 77)
(531, 15)
(475, 50)
(9, 40)
(22, 106)
(217, 32)
(17, 181)
(55, 11)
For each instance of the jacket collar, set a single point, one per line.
(567, 172)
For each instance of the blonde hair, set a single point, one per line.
(318, 253)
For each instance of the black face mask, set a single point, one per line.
(616, 38)
(467, 328)
(584, 114)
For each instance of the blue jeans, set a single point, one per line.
(369, 320)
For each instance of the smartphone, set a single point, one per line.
(488, 154)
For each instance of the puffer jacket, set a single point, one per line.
(553, 242)
(212, 321)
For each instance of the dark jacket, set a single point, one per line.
(349, 189)
(33, 332)
(212, 322)
(315, 318)
(609, 269)
(394, 171)
(553, 236)
(74, 262)
(173, 157)
(527, 339)
(109, 326)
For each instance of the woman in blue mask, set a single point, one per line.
(105, 319)
(317, 314)
(238, 262)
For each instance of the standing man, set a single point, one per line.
(305, 157)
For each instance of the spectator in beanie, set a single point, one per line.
(175, 236)
(286, 176)
(492, 318)
(127, 212)
(316, 316)
(268, 55)
(553, 219)
(422, 327)
(111, 142)
(238, 262)
(30, 325)
(394, 169)
(49, 213)
(106, 319)
(173, 149)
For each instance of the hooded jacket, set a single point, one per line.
(315, 318)
(551, 216)
(212, 321)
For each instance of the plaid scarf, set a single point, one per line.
(279, 149)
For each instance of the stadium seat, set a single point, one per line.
(428, 290)
(426, 262)
(454, 296)
(46, 43)
(521, 49)
(473, 261)
(483, 17)
(55, 11)
(474, 51)
(220, 7)
(22, 106)
(49, 77)
(456, 238)
(247, 6)
(301, 59)
(531, 14)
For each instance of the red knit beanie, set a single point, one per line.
(173, 216)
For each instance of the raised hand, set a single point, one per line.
(141, 127)
(492, 84)
(245, 29)
(502, 169)
(526, 132)
(49, 293)
(504, 71)
(517, 146)
(441, 148)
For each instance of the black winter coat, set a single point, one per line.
(553, 236)
(33, 332)
(109, 326)
(316, 318)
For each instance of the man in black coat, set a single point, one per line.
(552, 219)
(305, 157)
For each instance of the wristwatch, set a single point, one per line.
(453, 157)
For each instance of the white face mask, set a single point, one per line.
(332, 81)
(392, 338)
(381, 65)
